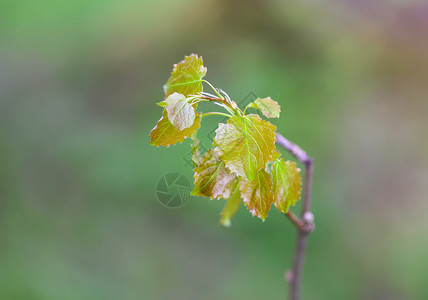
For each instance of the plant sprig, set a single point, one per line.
(243, 162)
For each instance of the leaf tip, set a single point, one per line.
(226, 222)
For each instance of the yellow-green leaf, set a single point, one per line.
(268, 107)
(165, 134)
(212, 178)
(286, 184)
(186, 77)
(245, 144)
(180, 112)
(257, 194)
(231, 206)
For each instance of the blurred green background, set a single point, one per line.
(78, 214)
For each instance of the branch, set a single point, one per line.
(295, 150)
(305, 225)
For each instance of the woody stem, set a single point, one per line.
(305, 224)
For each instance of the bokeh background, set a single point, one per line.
(78, 214)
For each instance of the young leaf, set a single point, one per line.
(165, 134)
(180, 113)
(245, 144)
(186, 77)
(231, 206)
(268, 107)
(257, 194)
(286, 184)
(212, 178)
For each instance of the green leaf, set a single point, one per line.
(268, 107)
(165, 134)
(286, 184)
(231, 206)
(186, 77)
(161, 104)
(212, 178)
(180, 112)
(257, 194)
(245, 144)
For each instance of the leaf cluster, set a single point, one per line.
(242, 164)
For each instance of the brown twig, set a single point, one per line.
(304, 225)
(217, 100)
(295, 220)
